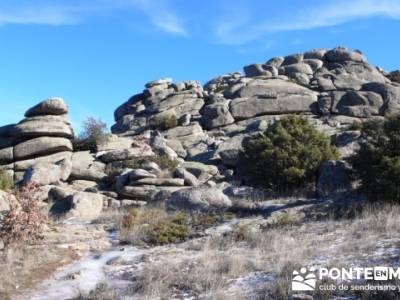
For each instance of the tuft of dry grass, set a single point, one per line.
(6, 181)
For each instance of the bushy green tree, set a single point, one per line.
(288, 155)
(377, 162)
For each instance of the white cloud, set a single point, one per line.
(39, 15)
(162, 16)
(330, 14)
(51, 13)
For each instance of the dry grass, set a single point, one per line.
(22, 269)
(6, 181)
(210, 269)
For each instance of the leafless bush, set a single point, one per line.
(94, 132)
(24, 222)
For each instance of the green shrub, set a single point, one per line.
(355, 125)
(6, 182)
(288, 155)
(94, 132)
(377, 162)
(154, 227)
(394, 76)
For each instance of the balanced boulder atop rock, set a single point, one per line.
(51, 106)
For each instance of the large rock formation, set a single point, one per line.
(200, 128)
(43, 137)
(331, 87)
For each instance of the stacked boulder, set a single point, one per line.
(40, 144)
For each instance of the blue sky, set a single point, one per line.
(97, 53)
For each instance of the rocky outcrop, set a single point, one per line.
(42, 138)
(326, 85)
(202, 128)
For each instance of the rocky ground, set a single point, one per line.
(242, 258)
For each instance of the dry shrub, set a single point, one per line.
(154, 227)
(24, 222)
(94, 132)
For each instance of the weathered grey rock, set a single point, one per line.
(229, 151)
(159, 181)
(245, 108)
(300, 78)
(161, 81)
(4, 201)
(334, 179)
(159, 145)
(272, 97)
(216, 115)
(184, 120)
(48, 173)
(6, 155)
(114, 142)
(51, 106)
(23, 165)
(198, 168)
(255, 70)
(83, 185)
(138, 192)
(127, 202)
(325, 103)
(85, 206)
(151, 166)
(389, 92)
(315, 54)
(85, 167)
(140, 174)
(181, 103)
(188, 177)
(41, 146)
(298, 68)
(183, 131)
(292, 59)
(342, 54)
(357, 104)
(125, 154)
(275, 61)
(177, 147)
(43, 126)
(199, 199)
(315, 64)
(57, 194)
